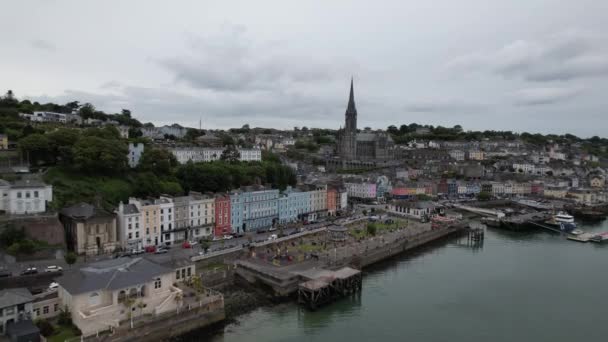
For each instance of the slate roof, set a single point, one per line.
(12, 297)
(111, 275)
(28, 183)
(83, 211)
(130, 209)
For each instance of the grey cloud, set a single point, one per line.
(230, 61)
(545, 95)
(441, 105)
(42, 44)
(561, 57)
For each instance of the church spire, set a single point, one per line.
(351, 111)
(351, 100)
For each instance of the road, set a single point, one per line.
(175, 252)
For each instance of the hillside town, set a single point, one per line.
(135, 247)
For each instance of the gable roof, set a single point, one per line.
(11, 297)
(84, 211)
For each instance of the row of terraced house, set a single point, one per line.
(168, 220)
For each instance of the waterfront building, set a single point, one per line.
(294, 205)
(415, 209)
(332, 201)
(89, 230)
(166, 219)
(96, 295)
(222, 215)
(555, 191)
(135, 152)
(180, 232)
(202, 215)
(361, 190)
(254, 208)
(129, 226)
(25, 196)
(15, 306)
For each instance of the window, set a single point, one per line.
(56, 307)
(9, 311)
(136, 235)
(147, 231)
(19, 195)
(37, 312)
(157, 283)
(36, 194)
(189, 272)
(169, 212)
(130, 235)
(130, 226)
(177, 274)
(45, 310)
(94, 299)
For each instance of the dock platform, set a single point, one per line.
(325, 286)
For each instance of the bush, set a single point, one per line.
(371, 229)
(65, 318)
(46, 328)
(14, 249)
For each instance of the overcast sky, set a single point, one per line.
(522, 65)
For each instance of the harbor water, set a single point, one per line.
(518, 286)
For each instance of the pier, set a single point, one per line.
(326, 286)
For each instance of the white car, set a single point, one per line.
(53, 269)
(54, 286)
(272, 237)
(228, 237)
(193, 243)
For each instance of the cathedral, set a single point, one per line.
(367, 145)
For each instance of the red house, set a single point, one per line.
(222, 215)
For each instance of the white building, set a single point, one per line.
(135, 152)
(361, 190)
(130, 227)
(202, 215)
(476, 155)
(25, 196)
(203, 155)
(15, 306)
(166, 218)
(457, 154)
(124, 131)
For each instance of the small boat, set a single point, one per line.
(570, 228)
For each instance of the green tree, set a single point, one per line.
(231, 154)
(36, 148)
(86, 111)
(70, 258)
(10, 235)
(158, 161)
(371, 229)
(484, 196)
(61, 142)
(99, 155)
(46, 328)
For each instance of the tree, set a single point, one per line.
(371, 229)
(70, 258)
(99, 155)
(231, 154)
(36, 148)
(158, 161)
(86, 111)
(46, 328)
(61, 142)
(204, 245)
(484, 196)
(10, 235)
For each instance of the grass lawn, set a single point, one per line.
(63, 333)
(307, 248)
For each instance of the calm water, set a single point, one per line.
(533, 286)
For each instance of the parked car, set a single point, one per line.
(150, 249)
(53, 286)
(137, 251)
(186, 244)
(228, 237)
(5, 274)
(161, 251)
(53, 268)
(272, 237)
(193, 243)
(29, 271)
